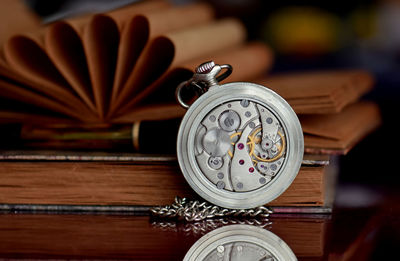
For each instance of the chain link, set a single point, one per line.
(193, 211)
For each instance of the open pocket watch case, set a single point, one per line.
(240, 145)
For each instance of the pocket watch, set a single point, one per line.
(240, 145)
(240, 242)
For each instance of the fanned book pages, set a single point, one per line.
(114, 67)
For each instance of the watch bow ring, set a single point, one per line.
(240, 145)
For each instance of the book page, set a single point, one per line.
(15, 17)
(65, 49)
(339, 88)
(134, 38)
(139, 29)
(343, 130)
(25, 95)
(306, 189)
(25, 55)
(100, 42)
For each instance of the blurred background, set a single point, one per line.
(320, 35)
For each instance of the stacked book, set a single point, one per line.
(122, 67)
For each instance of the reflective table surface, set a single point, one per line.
(346, 234)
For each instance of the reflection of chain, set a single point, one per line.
(197, 211)
(205, 226)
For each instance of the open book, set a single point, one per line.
(104, 67)
(123, 66)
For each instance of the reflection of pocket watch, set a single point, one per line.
(240, 242)
(240, 145)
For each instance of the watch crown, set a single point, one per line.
(205, 67)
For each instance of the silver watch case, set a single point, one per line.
(217, 99)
